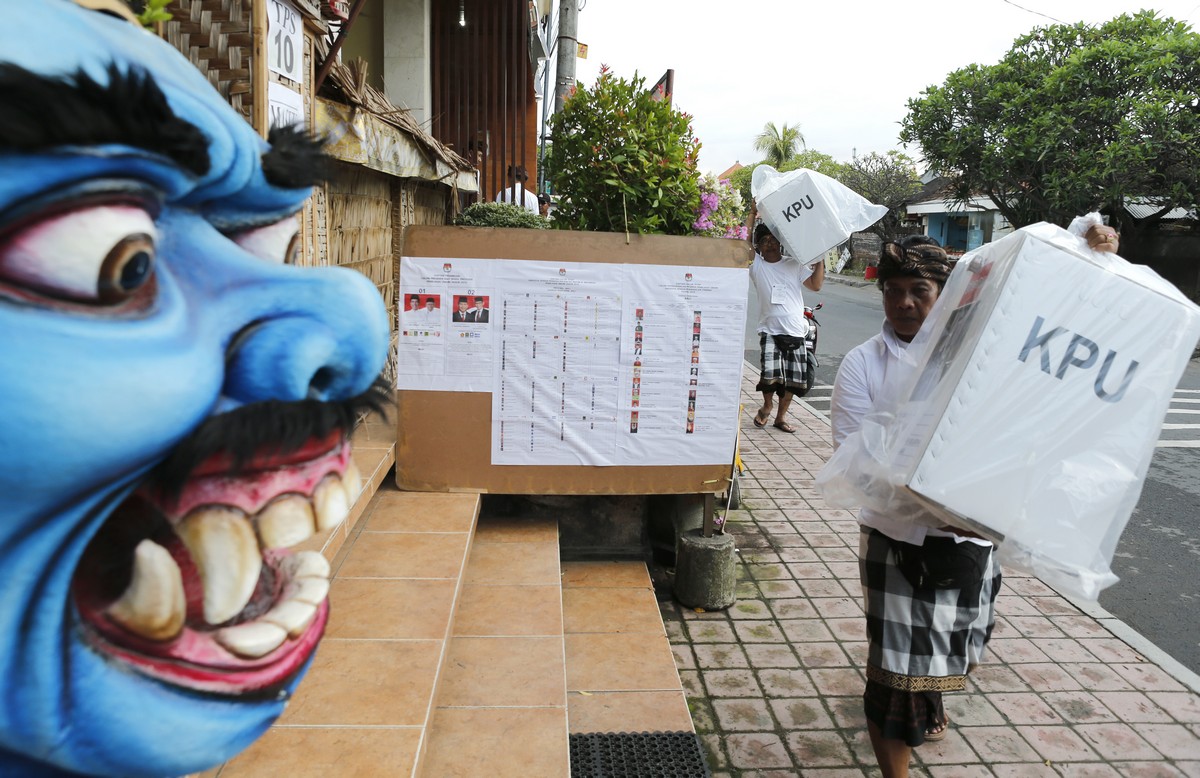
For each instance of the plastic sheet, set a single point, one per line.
(808, 211)
(1028, 406)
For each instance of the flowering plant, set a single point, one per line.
(722, 213)
(622, 160)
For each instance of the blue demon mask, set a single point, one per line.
(176, 405)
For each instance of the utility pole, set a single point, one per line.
(551, 24)
(568, 48)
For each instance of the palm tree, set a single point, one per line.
(778, 144)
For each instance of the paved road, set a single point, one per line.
(1158, 557)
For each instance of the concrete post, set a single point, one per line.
(704, 571)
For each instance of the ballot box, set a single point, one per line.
(808, 211)
(1034, 398)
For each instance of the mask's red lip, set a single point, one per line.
(258, 481)
(188, 670)
(266, 459)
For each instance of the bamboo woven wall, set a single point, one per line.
(218, 37)
(360, 225)
(359, 211)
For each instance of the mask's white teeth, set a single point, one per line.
(154, 605)
(226, 553)
(307, 586)
(252, 639)
(311, 590)
(306, 564)
(330, 502)
(293, 616)
(352, 482)
(286, 522)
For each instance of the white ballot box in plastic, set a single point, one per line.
(808, 211)
(1036, 393)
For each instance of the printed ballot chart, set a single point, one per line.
(555, 400)
(587, 363)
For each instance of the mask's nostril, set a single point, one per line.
(318, 387)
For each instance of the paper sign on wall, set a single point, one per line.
(285, 106)
(285, 40)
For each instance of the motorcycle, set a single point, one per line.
(810, 347)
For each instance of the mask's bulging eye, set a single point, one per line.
(126, 268)
(278, 242)
(98, 253)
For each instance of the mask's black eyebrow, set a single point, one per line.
(295, 159)
(42, 113)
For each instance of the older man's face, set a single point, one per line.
(906, 304)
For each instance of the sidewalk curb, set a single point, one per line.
(848, 280)
(1135, 640)
(1119, 629)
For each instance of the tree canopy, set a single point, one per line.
(1073, 119)
(886, 179)
(778, 144)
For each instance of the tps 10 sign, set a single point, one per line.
(285, 40)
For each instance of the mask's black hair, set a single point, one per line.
(43, 113)
(296, 160)
(266, 427)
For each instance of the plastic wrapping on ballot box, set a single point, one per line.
(808, 211)
(1028, 406)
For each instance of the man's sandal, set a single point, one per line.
(936, 733)
(760, 421)
(783, 425)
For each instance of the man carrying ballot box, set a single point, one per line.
(929, 594)
(778, 280)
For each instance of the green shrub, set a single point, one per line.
(622, 161)
(153, 11)
(500, 215)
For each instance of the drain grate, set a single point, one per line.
(637, 755)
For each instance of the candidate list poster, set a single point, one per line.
(681, 364)
(558, 330)
(601, 364)
(445, 324)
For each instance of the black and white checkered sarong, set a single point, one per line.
(922, 640)
(780, 371)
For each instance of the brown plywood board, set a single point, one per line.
(443, 439)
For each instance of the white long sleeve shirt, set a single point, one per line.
(867, 374)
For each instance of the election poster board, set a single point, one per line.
(568, 363)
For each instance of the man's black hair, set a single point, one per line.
(760, 232)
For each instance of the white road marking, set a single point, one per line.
(822, 402)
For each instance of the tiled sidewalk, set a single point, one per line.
(775, 682)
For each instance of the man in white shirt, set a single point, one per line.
(516, 192)
(778, 280)
(922, 638)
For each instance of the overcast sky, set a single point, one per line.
(841, 69)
